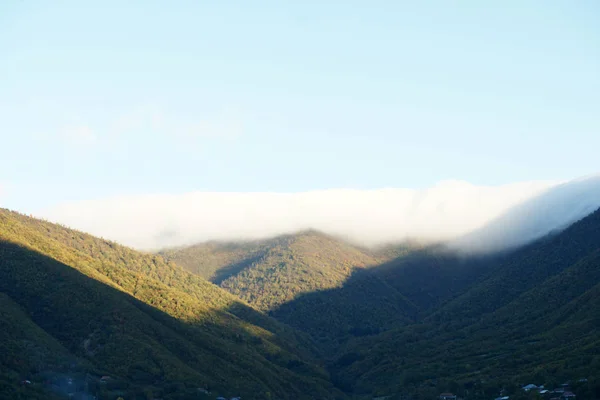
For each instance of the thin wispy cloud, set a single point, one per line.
(445, 211)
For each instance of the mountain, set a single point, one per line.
(271, 272)
(430, 276)
(75, 307)
(303, 316)
(309, 280)
(532, 316)
(422, 319)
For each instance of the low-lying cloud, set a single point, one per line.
(448, 210)
(552, 210)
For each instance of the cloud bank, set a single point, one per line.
(445, 211)
(552, 210)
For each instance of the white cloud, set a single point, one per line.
(552, 210)
(448, 210)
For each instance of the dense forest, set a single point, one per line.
(298, 316)
(534, 316)
(427, 319)
(81, 307)
(310, 280)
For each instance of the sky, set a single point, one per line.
(108, 99)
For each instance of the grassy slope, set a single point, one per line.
(148, 321)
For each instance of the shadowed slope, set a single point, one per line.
(145, 321)
(311, 281)
(534, 318)
(271, 272)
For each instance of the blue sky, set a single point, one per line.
(108, 98)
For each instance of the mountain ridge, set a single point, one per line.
(501, 330)
(303, 269)
(146, 321)
(406, 320)
(470, 308)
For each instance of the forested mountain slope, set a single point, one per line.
(24, 347)
(433, 319)
(217, 261)
(533, 317)
(310, 280)
(94, 306)
(430, 276)
(271, 272)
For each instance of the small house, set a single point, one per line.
(568, 396)
(529, 387)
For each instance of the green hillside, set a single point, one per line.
(272, 272)
(217, 261)
(419, 320)
(302, 263)
(430, 276)
(310, 280)
(95, 307)
(24, 347)
(400, 321)
(533, 317)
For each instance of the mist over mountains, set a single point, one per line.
(369, 217)
(347, 321)
(551, 211)
(473, 218)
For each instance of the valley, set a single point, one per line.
(306, 315)
(299, 200)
